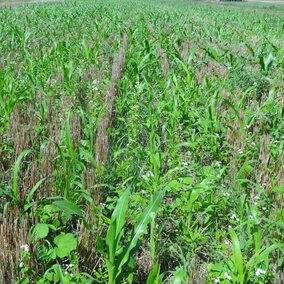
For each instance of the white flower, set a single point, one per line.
(226, 193)
(253, 144)
(25, 247)
(150, 174)
(259, 272)
(249, 133)
(143, 191)
(102, 204)
(185, 164)
(71, 274)
(234, 216)
(217, 280)
(218, 164)
(21, 264)
(240, 151)
(209, 182)
(247, 126)
(226, 242)
(264, 208)
(227, 276)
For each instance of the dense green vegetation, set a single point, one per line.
(141, 142)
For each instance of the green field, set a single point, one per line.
(142, 142)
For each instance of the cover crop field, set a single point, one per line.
(141, 142)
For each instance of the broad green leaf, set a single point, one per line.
(69, 207)
(237, 255)
(154, 274)
(39, 231)
(179, 277)
(262, 255)
(65, 244)
(141, 226)
(115, 231)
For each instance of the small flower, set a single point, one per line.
(250, 133)
(25, 247)
(150, 174)
(253, 144)
(185, 164)
(21, 264)
(218, 164)
(234, 216)
(240, 151)
(66, 272)
(71, 274)
(143, 191)
(70, 265)
(217, 280)
(226, 242)
(227, 276)
(103, 205)
(259, 272)
(264, 208)
(209, 182)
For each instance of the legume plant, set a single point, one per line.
(141, 142)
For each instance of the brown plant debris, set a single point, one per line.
(102, 141)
